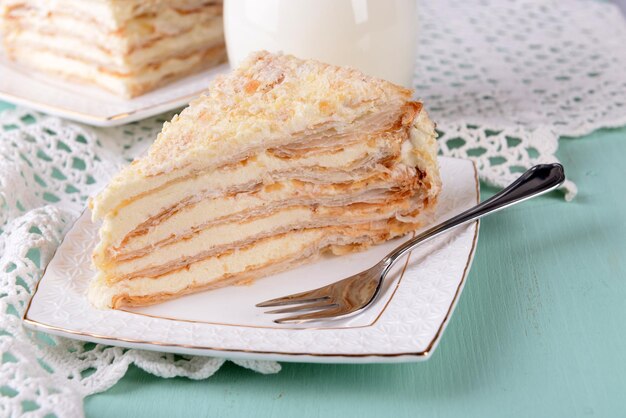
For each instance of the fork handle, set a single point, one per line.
(536, 181)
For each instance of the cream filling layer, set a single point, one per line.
(140, 178)
(49, 62)
(110, 14)
(194, 217)
(135, 34)
(265, 168)
(228, 236)
(290, 245)
(201, 37)
(294, 246)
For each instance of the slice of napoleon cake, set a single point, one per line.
(281, 160)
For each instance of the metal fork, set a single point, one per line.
(355, 293)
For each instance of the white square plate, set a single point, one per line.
(94, 106)
(404, 324)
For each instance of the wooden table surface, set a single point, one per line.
(540, 329)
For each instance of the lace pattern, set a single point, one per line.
(48, 169)
(504, 80)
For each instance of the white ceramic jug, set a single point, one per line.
(375, 36)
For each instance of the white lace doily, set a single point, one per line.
(503, 80)
(48, 169)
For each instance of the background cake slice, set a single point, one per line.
(281, 160)
(125, 46)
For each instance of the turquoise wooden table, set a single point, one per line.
(540, 329)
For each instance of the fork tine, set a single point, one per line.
(303, 297)
(326, 313)
(303, 308)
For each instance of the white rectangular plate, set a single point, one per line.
(91, 105)
(404, 324)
